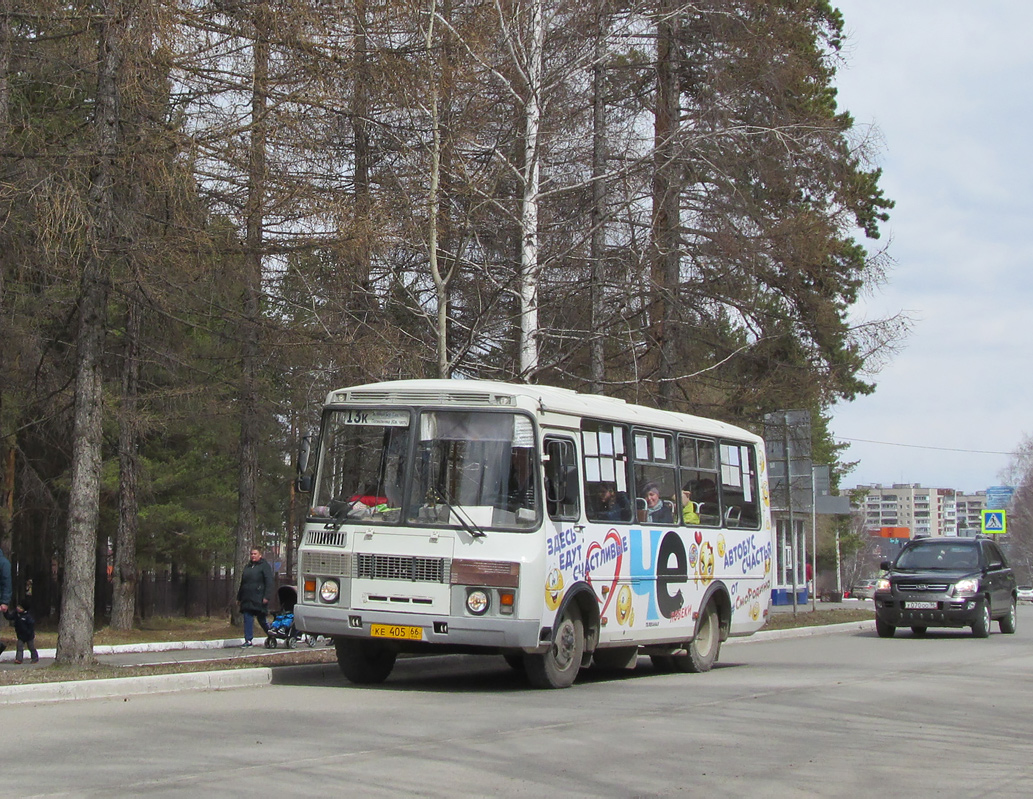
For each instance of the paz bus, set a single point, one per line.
(561, 530)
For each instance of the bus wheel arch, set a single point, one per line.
(572, 640)
(583, 597)
(712, 627)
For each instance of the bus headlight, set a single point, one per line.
(477, 602)
(329, 591)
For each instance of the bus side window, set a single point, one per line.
(739, 485)
(697, 478)
(562, 486)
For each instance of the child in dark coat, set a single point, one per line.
(25, 629)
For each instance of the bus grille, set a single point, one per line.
(327, 538)
(337, 564)
(397, 567)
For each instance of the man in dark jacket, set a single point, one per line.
(6, 588)
(255, 593)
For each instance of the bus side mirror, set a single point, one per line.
(303, 483)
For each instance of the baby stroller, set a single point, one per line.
(282, 628)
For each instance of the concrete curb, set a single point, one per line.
(157, 646)
(135, 686)
(805, 632)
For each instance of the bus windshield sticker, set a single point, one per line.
(523, 432)
(379, 418)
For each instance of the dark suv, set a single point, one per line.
(946, 582)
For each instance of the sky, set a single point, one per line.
(944, 88)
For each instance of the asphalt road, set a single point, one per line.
(824, 716)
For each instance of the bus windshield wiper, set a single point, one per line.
(339, 510)
(464, 520)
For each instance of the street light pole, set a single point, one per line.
(814, 541)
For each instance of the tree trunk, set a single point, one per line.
(7, 453)
(124, 576)
(666, 187)
(75, 631)
(363, 159)
(530, 267)
(250, 424)
(597, 337)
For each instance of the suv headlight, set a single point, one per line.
(882, 584)
(970, 585)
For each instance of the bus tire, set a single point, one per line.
(618, 658)
(364, 662)
(702, 651)
(558, 667)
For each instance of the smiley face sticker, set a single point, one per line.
(625, 613)
(553, 589)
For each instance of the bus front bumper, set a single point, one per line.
(488, 632)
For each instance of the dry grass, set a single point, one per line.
(149, 631)
(805, 617)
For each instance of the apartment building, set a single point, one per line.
(970, 509)
(923, 510)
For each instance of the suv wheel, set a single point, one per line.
(981, 626)
(1007, 622)
(884, 629)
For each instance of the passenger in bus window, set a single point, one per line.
(705, 497)
(656, 511)
(611, 505)
(689, 513)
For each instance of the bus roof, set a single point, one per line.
(488, 393)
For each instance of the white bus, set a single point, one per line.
(558, 529)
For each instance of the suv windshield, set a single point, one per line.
(471, 469)
(939, 556)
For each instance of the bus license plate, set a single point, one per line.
(921, 606)
(396, 631)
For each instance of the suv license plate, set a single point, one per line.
(921, 605)
(396, 631)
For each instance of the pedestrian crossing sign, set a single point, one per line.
(995, 522)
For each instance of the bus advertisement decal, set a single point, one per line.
(611, 549)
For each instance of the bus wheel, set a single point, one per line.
(559, 666)
(364, 662)
(618, 658)
(702, 650)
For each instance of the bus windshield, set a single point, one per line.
(476, 466)
(471, 469)
(362, 469)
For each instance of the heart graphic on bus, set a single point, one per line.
(596, 548)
